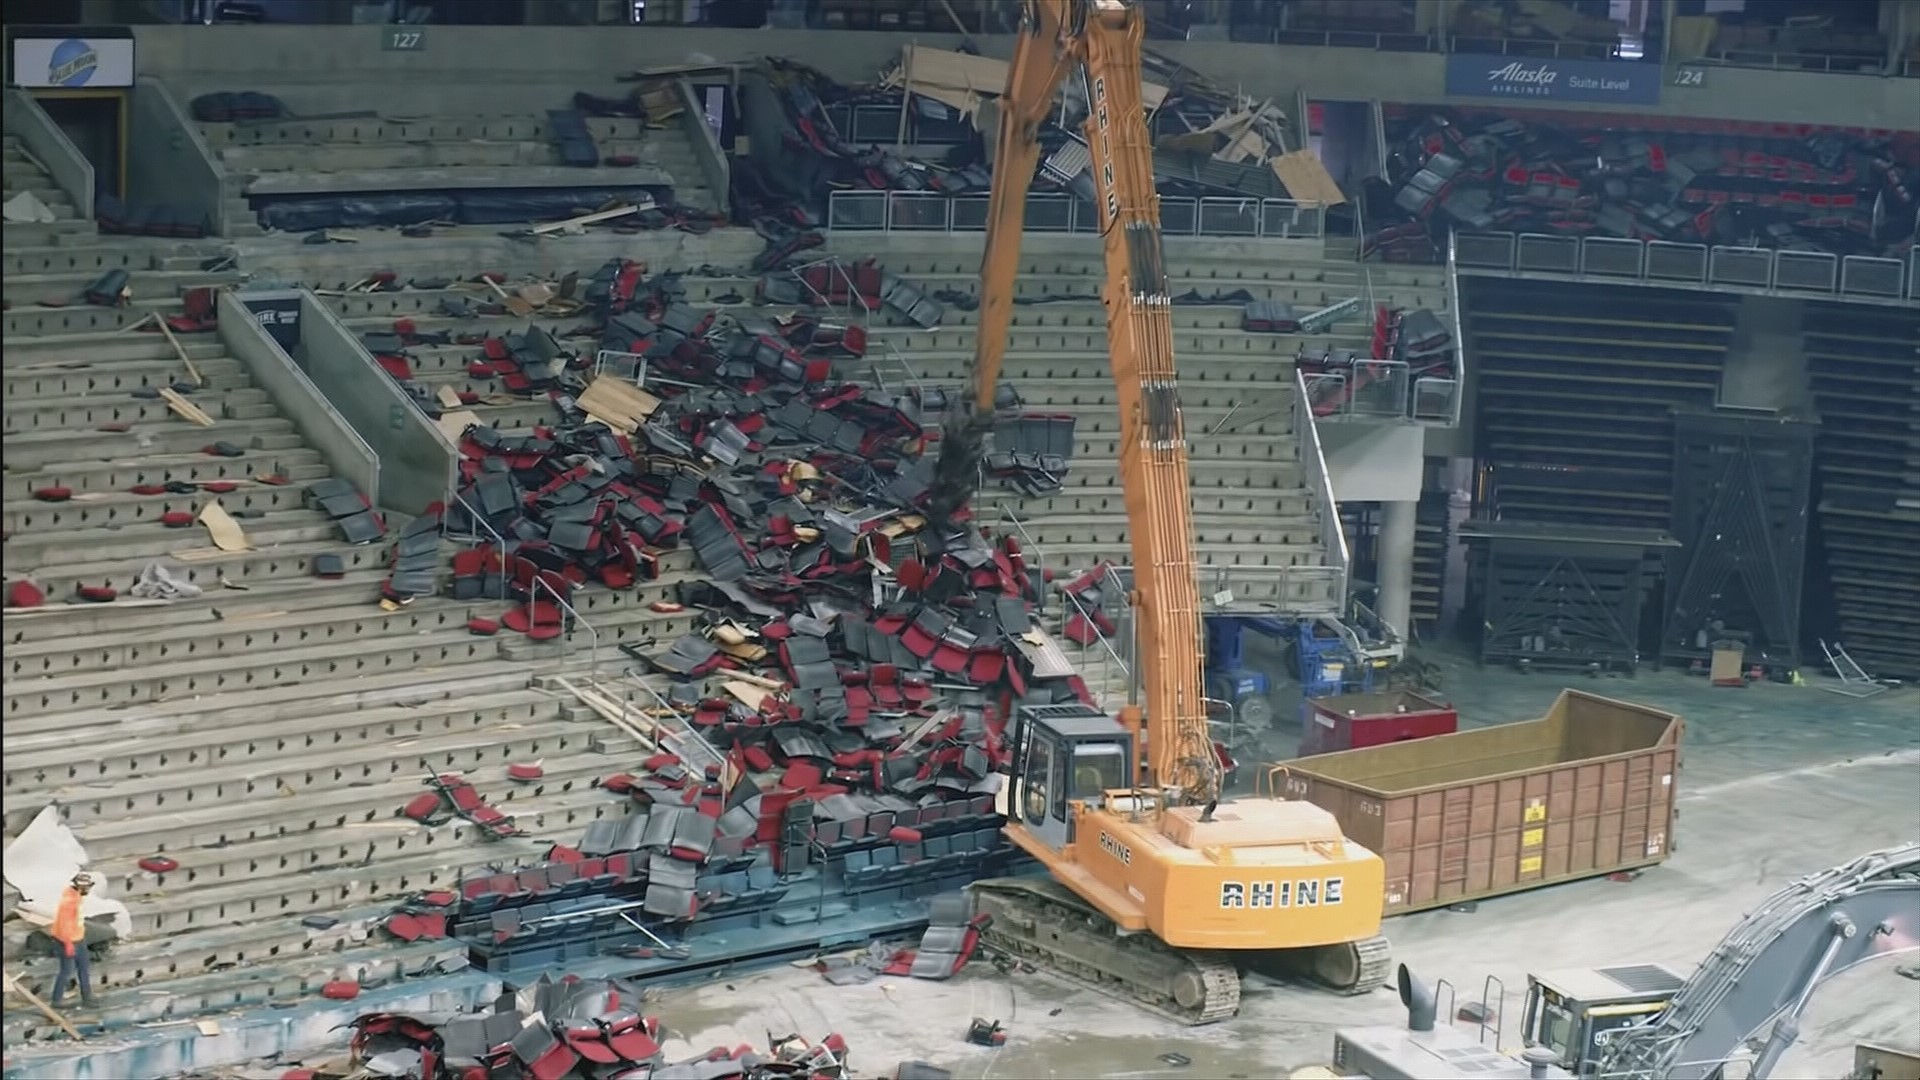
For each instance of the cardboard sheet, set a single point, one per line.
(39, 864)
(226, 533)
(620, 405)
(1307, 180)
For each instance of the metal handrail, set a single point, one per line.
(839, 269)
(899, 359)
(1459, 332)
(686, 743)
(1243, 218)
(566, 632)
(474, 518)
(1313, 462)
(1761, 271)
(1028, 543)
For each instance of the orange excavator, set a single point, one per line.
(1160, 889)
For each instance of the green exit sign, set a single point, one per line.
(402, 39)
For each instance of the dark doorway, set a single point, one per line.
(96, 123)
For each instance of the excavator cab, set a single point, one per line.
(1572, 1013)
(1063, 754)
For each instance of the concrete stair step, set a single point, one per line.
(290, 775)
(98, 347)
(235, 710)
(1279, 506)
(118, 509)
(35, 234)
(141, 749)
(71, 415)
(44, 322)
(95, 477)
(57, 549)
(1203, 474)
(24, 289)
(38, 449)
(321, 808)
(1213, 533)
(62, 380)
(248, 568)
(283, 983)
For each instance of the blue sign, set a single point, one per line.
(72, 63)
(1598, 82)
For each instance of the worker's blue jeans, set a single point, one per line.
(74, 966)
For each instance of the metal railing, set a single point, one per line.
(1100, 648)
(573, 619)
(854, 310)
(608, 357)
(1768, 271)
(1459, 343)
(674, 732)
(1538, 48)
(492, 536)
(892, 357)
(934, 212)
(1856, 64)
(1313, 468)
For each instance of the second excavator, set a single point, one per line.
(1160, 889)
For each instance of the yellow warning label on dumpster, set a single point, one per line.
(1530, 864)
(1533, 837)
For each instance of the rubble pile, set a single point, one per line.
(839, 694)
(1208, 140)
(570, 1029)
(1767, 185)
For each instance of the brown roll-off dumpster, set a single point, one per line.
(1587, 789)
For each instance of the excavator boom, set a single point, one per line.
(1206, 881)
(1043, 53)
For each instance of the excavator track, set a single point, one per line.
(1350, 968)
(1041, 921)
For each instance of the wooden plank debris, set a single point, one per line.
(1307, 180)
(618, 404)
(185, 409)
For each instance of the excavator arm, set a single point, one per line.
(1103, 38)
(1043, 53)
(1768, 967)
(1153, 444)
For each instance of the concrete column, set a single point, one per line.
(1394, 554)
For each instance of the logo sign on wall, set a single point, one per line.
(1602, 82)
(72, 63)
(278, 313)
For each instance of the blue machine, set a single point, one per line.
(1228, 677)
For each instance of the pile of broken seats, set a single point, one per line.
(1776, 186)
(862, 284)
(570, 1029)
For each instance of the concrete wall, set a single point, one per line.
(1374, 462)
(1767, 362)
(297, 398)
(484, 69)
(706, 147)
(69, 168)
(168, 162)
(416, 461)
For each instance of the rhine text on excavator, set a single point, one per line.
(1324, 892)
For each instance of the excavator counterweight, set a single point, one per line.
(1162, 889)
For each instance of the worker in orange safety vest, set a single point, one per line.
(70, 940)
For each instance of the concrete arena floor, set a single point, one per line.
(1778, 781)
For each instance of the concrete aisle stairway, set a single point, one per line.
(23, 173)
(264, 734)
(436, 153)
